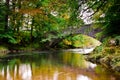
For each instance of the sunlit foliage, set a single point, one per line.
(32, 20)
(79, 41)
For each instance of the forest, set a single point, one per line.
(38, 22)
(41, 24)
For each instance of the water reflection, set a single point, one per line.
(82, 77)
(25, 71)
(8, 76)
(54, 66)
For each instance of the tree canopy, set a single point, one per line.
(106, 16)
(24, 22)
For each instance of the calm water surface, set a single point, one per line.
(51, 66)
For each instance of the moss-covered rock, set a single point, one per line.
(109, 57)
(116, 66)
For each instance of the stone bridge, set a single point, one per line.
(85, 29)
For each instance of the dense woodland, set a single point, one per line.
(37, 22)
(40, 25)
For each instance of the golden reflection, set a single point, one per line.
(26, 72)
(8, 75)
(82, 77)
(74, 59)
(71, 67)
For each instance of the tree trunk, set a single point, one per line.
(7, 15)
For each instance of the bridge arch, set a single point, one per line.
(85, 30)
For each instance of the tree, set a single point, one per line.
(112, 19)
(7, 14)
(2, 16)
(33, 20)
(105, 16)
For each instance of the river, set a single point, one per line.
(48, 65)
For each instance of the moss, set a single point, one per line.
(116, 66)
(109, 51)
(3, 50)
(79, 41)
(95, 58)
(106, 61)
(109, 57)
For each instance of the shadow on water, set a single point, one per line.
(51, 66)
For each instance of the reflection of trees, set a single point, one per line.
(45, 67)
(74, 59)
(21, 72)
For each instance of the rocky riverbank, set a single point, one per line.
(108, 56)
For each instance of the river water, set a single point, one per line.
(51, 66)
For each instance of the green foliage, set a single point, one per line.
(3, 48)
(35, 20)
(45, 2)
(2, 15)
(109, 23)
(77, 41)
(109, 57)
(9, 37)
(117, 38)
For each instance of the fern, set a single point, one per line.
(9, 37)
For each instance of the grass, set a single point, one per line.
(3, 48)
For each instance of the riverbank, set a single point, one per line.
(6, 50)
(108, 56)
(3, 50)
